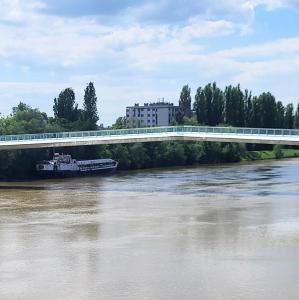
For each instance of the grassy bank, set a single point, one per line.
(265, 154)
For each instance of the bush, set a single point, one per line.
(278, 151)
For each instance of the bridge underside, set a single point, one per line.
(104, 140)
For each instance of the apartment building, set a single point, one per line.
(150, 114)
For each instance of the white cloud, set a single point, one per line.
(60, 41)
(133, 60)
(287, 46)
(11, 93)
(274, 4)
(65, 42)
(18, 10)
(198, 28)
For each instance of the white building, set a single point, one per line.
(150, 114)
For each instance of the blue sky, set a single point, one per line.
(139, 51)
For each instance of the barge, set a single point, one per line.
(63, 165)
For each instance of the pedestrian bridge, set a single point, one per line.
(152, 134)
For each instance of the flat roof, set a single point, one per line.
(157, 104)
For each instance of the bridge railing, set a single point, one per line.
(152, 130)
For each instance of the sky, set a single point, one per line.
(142, 50)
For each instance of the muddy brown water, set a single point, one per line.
(212, 232)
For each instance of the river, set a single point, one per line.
(208, 232)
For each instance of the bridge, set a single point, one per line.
(151, 134)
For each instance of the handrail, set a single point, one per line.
(152, 130)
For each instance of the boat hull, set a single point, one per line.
(68, 174)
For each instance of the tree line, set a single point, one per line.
(25, 120)
(67, 115)
(211, 106)
(233, 107)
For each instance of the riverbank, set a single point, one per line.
(269, 154)
(168, 155)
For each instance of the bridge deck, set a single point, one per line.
(194, 133)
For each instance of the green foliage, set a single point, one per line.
(194, 152)
(239, 109)
(235, 106)
(200, 106)
(184, 103)
(175, 154)
(120, 123)
(24, 119)
(278, 151)
(213, 152)
(263, 155)
(233, 152)
(189, 121)
(64, 107)
(90, 107)
(2, 126)
(264, 110)
(209, 104)
(138, 156)
(289, 116)
(121, 154)
(296, 118)
(248, 118)
(280, 115)
(19, 163)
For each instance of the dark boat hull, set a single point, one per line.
(68, 174)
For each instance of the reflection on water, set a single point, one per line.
(212, 232)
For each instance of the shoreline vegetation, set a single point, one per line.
(211, 106)
(270, 154)
(248, 156)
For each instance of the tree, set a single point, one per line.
(279, 115)
(121, 154)
(120, 123)
(25, 119)
(296, 118)
(248, 109)
(217, 105)
(208, 94)
(184, 103)
(232, 152)
(90, 106)
(209, 104)
(289, 116)
(20, 107)
(234, 106)
(139, 157)
(264, 111)
(65, 107)
(194, 152)
(175, 154)
(192, 121)
(278, 151)
(200, 106)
